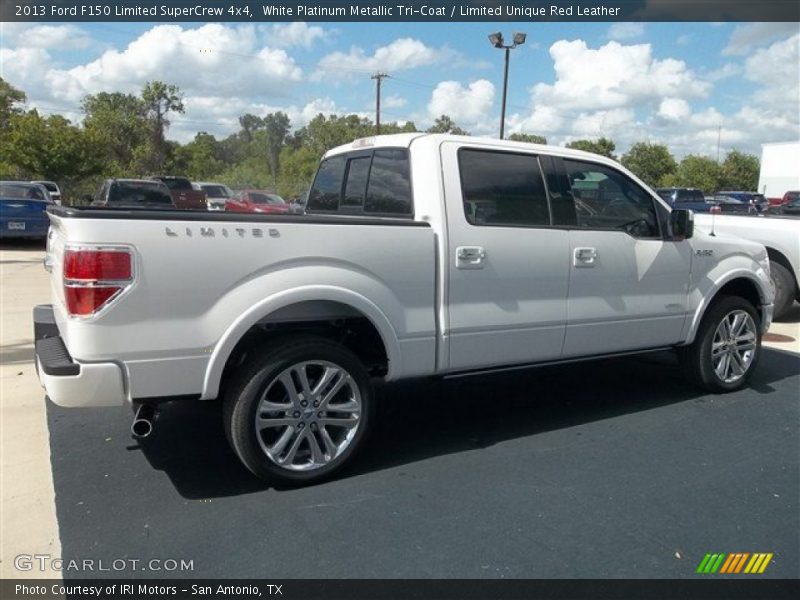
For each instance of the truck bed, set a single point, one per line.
(202, 279)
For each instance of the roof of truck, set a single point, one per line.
(403, 140)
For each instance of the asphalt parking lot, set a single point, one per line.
(611, 469)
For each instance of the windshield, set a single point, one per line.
(139, 193)
(216, 191)
(51, 187)
(176, 183)
(665, 194)
(26, 191)
(259, 198)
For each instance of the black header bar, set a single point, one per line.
(253, 11)
(398, 589)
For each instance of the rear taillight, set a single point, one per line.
(715, 209)
(93, 277)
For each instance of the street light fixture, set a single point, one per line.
(496, 39)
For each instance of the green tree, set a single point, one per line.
(323, 133)
(10, 98)
(602, 146)
(160, 99)
(297, 171)
(650, 162)
(528, 137)
(250, 124)
(119, 123)
(740, 171)
(695, 171)
(276, 128)
(389, 128)
(199, 158)
(445, 124)
(52, 148)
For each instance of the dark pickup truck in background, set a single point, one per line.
(686, 198)
(183, 193)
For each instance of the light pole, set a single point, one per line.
(496, 39)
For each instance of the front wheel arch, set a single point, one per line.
(738, 286)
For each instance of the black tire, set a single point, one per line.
(696, 358)
(253, 378)
(784, 285)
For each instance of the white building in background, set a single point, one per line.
(780, 169)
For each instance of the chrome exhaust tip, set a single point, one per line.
(142, 425)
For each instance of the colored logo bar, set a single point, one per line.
(734, 563)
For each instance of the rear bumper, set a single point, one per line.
(68, 382)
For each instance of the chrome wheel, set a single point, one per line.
(308, 415)
(734, 346)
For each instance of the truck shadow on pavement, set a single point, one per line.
(419, 420)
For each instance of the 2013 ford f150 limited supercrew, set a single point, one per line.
(419, 255)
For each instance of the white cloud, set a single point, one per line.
(466, 105)
(542, 119)
(625, 31)
(625, 93)
(213, 57)
(614, 76)
(394, 101)
(775, 70)
(53, 37)
(753, 35)
(297, 33)
(401, 54)
(724, 72)
(597, 123)
(674, 109)
(26, 68)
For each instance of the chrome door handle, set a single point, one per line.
(470, 256)
(584, 257)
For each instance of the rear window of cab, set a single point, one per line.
(373, 182)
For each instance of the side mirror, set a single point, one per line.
(681, 222)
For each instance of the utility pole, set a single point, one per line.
(378, 77)
(496, 40)
(505, 90)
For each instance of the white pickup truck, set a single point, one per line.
(780, 235)
(420, 255)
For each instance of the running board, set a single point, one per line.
(565, 361)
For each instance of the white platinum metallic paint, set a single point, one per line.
(196, 296)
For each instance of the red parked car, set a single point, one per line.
(258, 201)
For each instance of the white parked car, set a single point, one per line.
(217, 194)
(52, 189)
(779, 235)
(419, 255)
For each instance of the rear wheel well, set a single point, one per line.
(350, 328)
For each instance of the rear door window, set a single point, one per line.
(502, 188)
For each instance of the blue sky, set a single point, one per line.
(684, 84)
